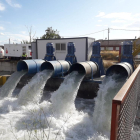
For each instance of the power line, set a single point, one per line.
(102, 31)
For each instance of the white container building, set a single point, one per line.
(16, 50)
(83, 47)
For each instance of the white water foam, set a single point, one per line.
(29, 94)
(59, 118)
(63, 99)
(103, 104)
(11, 83)
(32, 92)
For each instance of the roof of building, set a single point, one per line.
(114, 42)
(67, 38)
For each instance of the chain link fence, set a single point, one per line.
(124, 108)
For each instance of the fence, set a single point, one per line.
(124, 108)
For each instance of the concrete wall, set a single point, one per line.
(8, 66)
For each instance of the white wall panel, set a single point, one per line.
(80, 44)
(90, 42)
(34, 54)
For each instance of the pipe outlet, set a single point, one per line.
(124, 69)
(59, 67)
(32, 66)
(88, 68)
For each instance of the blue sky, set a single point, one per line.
(71, 18)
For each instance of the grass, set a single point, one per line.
(110, 55)
(109, 58)
(108, 63)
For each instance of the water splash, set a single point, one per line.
(11, 83)
(103, 104)
(59, 119)
(63, 99)
(32, 92)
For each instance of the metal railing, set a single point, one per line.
(124, 108)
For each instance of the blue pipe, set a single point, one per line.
(32, 66)
(59, 67)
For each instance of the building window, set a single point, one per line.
(57, 46)
(63, 46)
(102, 48)
(23, 49)
(60, 46)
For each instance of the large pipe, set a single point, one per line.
(32, 66)
(59, 67)
(123, 69)
(88, 68)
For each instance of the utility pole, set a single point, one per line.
(108, 37)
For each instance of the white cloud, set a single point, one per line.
(137, 15)
(99, 20)
(17, 5)
(23, 32)
(124, 20)
(118, 27)
(17, 38)
(1, 33)
(118, 21)
(98, 25)
(2, 8)
(134, 25)
(121, 15)
(13, 4)
(1, 28)
(100, 14)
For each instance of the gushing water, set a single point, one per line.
(32, 92)
(103, 103)
(59, 119)
(63, 99)
(11, 83)
(29, 94)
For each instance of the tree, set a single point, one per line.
(50, 34)
(25, 42)
(31, 34)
